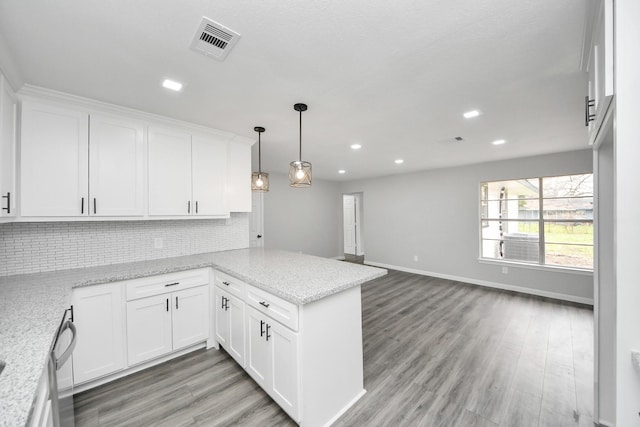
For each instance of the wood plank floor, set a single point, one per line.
(436, 353)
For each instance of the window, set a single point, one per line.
(545, 221)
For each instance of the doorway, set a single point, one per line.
(256, 220)
(352, 213)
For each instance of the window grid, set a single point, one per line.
(544, 218)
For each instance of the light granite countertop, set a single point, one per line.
(33, 304)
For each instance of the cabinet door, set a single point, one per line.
(222, 317)
(238, 177)
(116, 166)
(148, 328)
(7, 150)
(209, 172)
(169, 172)
(284, 384)
(235, 346)
(53, 161)
(258, 349)
(98, 316)
(190, 316)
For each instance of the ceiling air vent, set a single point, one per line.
(213, 39)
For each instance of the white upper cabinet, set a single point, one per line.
(54, 168)
(600, 69)
(187, 173)
(76, 165)
(8, 106)
(80, 160)
(116, 162)
(169, 172)
(239, 177)
(209, 173)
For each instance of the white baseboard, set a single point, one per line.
(346, 408)
(504, 286)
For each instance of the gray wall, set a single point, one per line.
(307, 220)
(434, 215)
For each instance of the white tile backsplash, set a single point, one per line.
(48, 246)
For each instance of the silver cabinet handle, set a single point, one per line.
(67, 353)
(171, 284)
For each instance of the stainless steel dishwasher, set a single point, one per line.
(61, 372)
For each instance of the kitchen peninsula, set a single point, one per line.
(309, 302)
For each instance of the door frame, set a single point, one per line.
(359, 245)
(256, 196)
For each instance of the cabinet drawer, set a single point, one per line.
(230, 284)
(156, 285)
(273, 306)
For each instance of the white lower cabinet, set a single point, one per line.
(120, 325)
(98, 316)
(307, 357)
(230, 324)
(160, 324)
(190, 311)
(148, 328)
(272, 360)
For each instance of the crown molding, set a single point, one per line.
(37, 93)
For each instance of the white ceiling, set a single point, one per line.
(392, 76)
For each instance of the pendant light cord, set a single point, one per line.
(259, 155)
(300, 138)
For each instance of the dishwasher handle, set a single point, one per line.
(59, 361)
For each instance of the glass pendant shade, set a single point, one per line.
(300, 174)
(299, 170)
(259, 180)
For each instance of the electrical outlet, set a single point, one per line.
(158, 243)
(505, 270)
(415, 258)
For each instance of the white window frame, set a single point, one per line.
(541, 264)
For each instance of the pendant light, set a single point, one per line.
(299, 170)
(259, 180)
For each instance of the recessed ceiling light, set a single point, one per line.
(170, 84)
(342, 171)
(498, 142)
(473, 113)
(399, 161)
(356, 146)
